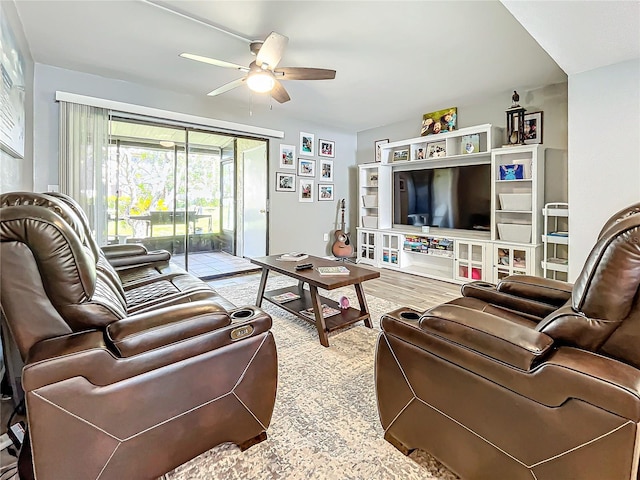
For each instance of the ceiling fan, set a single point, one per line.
(262, 75)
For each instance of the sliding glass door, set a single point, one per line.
(177, 189)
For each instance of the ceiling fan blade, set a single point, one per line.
(213, 61)
(279, 93)
(272, 50)
(302, 73)
(227, 86)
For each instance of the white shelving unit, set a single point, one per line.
(513, 246)
(368, 195)
(555, 241)
(517, 199)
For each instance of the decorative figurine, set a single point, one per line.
(344, 303)
(515, 98)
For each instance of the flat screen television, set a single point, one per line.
(451, 197)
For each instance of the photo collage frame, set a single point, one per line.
(299, 173)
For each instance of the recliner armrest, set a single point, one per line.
(87, 354)
(123, 250)
(155, 256)
(158, 328)
(487, 334)
(553, 292)
(487, 292)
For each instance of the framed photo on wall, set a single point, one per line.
(285, 182)
(325, 192)
(377, 147)
(306, 190)
(307, 144)
(326, 170)
(288, 156)
(533, 128)
(306, 168)
(326, 148)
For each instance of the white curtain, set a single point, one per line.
(83, 151)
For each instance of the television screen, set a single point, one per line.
(452, 197)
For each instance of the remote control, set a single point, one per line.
(304, 266)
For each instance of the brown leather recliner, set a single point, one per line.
(112, 395)
(493, 390)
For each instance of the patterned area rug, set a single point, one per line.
(325, 424)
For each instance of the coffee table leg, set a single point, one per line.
(317, 310)
(263, 284)
(363, 304)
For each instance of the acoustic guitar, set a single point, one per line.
(342, 247)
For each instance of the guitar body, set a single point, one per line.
(342, 247)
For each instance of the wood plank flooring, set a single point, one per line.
(402, 288)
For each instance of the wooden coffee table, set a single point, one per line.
(311, 298)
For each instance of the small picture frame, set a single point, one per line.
(378, 148)
(326, 170)
(306, 190)
(326, 148)
(285, 182)
(307, 144)
(533, 128)
(306, 167)
(437, 149)
(401, 155)
(288, 156)
(325, 193)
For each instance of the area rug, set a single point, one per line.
(325, 424)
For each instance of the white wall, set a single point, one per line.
(604, 151)
(16, 174)
(292, 225)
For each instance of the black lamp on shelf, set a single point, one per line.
(515, 121)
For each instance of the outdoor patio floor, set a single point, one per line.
(215, 264)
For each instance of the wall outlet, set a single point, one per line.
(53, 188)
(325, 237)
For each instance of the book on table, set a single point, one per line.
(327, 311)
(339, 270)
(285, 297)
(293, 256)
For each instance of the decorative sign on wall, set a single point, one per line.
(12, 93)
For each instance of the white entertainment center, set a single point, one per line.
(510, 244)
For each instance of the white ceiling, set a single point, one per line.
(581, 36)
(394, 59)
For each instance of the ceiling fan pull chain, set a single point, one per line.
(270, 101)
(250, 103)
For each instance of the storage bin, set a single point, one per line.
(513, 232)
(515, 201)
(370, 201)
(370, 221)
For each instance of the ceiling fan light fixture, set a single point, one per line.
(261, 82)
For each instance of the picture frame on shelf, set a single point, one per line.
(439, 121)
(437, 149)
(326, 170)
(401, 155)
(326, 148)
(533, 128)
(306, 167)
(373, 179)
(378, 148)
(325, 192)
(288, 156)
(307, 144)
(285, 182)
(470, 143)
(306, 190)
